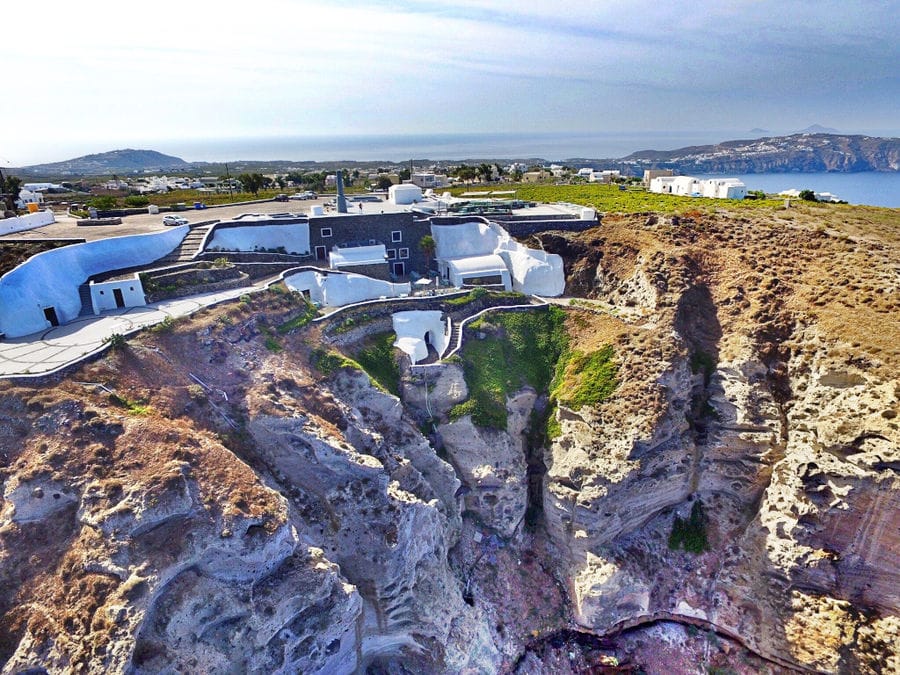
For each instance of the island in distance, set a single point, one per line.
(802, 152)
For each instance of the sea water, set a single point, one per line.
(873, 188)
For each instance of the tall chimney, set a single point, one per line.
(341, 200)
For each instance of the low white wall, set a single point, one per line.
(51, 278)
(411, 328)
(104, 298)
(27, 222)
(294, 237)
(336, 290)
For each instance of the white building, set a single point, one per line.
(724, 188)
(482, 253)
(338, 289)
(688, 186)
(428, 180)
(404, 194)
(416, 330)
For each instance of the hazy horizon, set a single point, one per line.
(94, 78)
(437, 146)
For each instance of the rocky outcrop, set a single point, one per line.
(798, 152)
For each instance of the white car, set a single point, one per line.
(174, 220)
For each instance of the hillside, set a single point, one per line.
(798, 152)
(231, 492)
(106, 163)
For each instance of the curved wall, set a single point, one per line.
(51, 278)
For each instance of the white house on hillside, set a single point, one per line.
(688, 186)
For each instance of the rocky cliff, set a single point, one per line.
(798, 152)
(223, 496)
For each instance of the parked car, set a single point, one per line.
(174, 220)
(281, 198)
(309, 194)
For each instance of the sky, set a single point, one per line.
(100, 75)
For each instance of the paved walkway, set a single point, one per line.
(56, 348)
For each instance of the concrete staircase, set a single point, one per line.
(455, 334)
(87, 306)
(188, 248)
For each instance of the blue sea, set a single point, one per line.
(874, 188)
(877, 189)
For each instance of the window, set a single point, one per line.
(404, 253)
(326, 232)
(392, 254)
(396, 235)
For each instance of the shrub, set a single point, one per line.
(379, 359)
(103, 203)
(273, 345)
(116, 341)
(690, 534)
(586, 379)
(221, 262)
(136, 201)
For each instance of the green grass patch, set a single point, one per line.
(633, 200)
(328, 361)
(586, 379)
(690, 534)
(307, 314)
(134, 407)
(520, 348)
(379, 359)
(273, 345)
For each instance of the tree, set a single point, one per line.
(404, 174)
(485, 171)
(252, 182)
(467, 173)
(808, 196)
(383, 183)
(10, 186)
(427, 245)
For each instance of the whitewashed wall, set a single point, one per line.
(51, 278)
(411, 328)
(103, 297)
(336, 290)
(294, 237)
(27, 222)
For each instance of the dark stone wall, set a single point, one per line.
(379, 228)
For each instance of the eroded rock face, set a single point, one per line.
(791, 446)
(491, 465)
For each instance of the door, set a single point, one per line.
(320, 252)
(120, 300)
(399, 269)
(50, 315)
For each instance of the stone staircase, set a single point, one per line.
(87, 306)
(453, 342)
(188, 248)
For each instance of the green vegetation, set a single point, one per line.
(103, 203)
(164, 326)
(136, 201)
(609, 198)
(522, 348)
(701, 362)
(221, 262)
(116, 341)
(273, 345)
(480, 292)
(134, 407)
(330, 361)
(586, 379)
(690, 534)
(307, 314)
(352, 322)
(378, 358)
